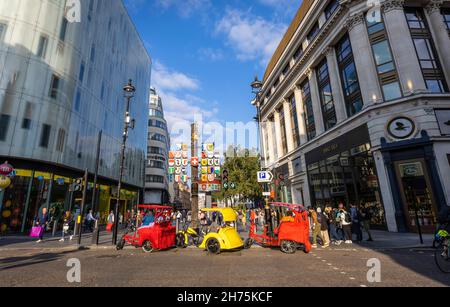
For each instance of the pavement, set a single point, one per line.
(382, 240)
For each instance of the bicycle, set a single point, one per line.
(442, 254)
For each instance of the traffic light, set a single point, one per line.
(225, 184)
(77, 186)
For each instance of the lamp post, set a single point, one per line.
(129, 91)
(256, 89)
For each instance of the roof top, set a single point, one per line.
(301, 13)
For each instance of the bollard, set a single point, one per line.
(95, 233)
(55, 225)
(75, 228)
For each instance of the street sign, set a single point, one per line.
(266, 194)
(265, 177)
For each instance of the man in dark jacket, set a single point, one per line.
(42, 221)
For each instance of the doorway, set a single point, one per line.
(419, 203)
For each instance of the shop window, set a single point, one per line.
(426, 52)
(4, 125)
(45, 136)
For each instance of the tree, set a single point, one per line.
(242, 166)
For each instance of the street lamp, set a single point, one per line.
(256, 89)
(129, 123)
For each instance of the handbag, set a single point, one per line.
(36, 231)
(66, 227)
(109, 227)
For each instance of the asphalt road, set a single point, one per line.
(346, 266)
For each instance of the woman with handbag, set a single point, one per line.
(42, 222)
(67, 225)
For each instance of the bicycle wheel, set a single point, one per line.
(442, 257)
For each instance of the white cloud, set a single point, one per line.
(165, 79)
(251, 37)
(211, 54)
(185, 8)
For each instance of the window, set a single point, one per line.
(60, 140)
(54, 87)
(42, 47)
(156, 164)
(158, 137)
(387, 73)
(326, 95)
(294, 121)
(157, 124)
(4, 125)
(156, 151)
(156, 113)
(283, 131)
(93, 53)
(2, 31)
(28, 114)
(81, 74)
(349, 76)
(45, 136)
(274, 142)
(286, 70)
(63, 30)
(298, 53)
(313, 33)
(78, 100)
(446, 15)
(154, 179)
(331, 8)
(426, 53)
(308, 110)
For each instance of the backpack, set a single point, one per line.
(348, 218)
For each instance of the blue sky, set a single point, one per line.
(206, 52)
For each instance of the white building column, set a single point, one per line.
(365, 64)
(278, 141)
(270, 141)
(440, 35)
(300, 115)
(316, 103)
(288, 125)
(265, 147)
(408, 66)
(336, 85)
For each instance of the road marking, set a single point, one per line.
(363, 286)
(352, 278)
(343, 273)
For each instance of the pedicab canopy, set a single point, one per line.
(228, 214)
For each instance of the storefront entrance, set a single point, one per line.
(417, 195)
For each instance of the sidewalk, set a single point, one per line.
(22, 242)
(393, 240)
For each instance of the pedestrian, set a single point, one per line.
(90, 221)
(324, 220)
(110, 224)
(68, 224)
(366, 217)
(356, 222)
(42, 221)
(346, 223)
(316, 226)
(336, 224)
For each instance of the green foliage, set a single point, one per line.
(242, 166)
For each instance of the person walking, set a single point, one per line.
(110, 221)
(366, 217)
(346, 223)
(356, 222)
(42, 221)
(324, 221)
(67, 226)
(90, 221)
(316, 226)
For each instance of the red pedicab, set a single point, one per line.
(159, 235)
(291, 234)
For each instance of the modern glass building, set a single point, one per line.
(60, 85)
(156, 171)
(356, 109)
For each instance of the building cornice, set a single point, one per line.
(354, 20)
(434, 6)
(391, 5)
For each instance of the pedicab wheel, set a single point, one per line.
(147, 247)
(213, 246)
(180, 240)
(121, 244)
(288, 247)
(248, 243)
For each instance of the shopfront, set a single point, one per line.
(32, 190)
(416, 187)
(344, 170)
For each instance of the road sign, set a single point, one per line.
(265, 177)
(266, 194)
